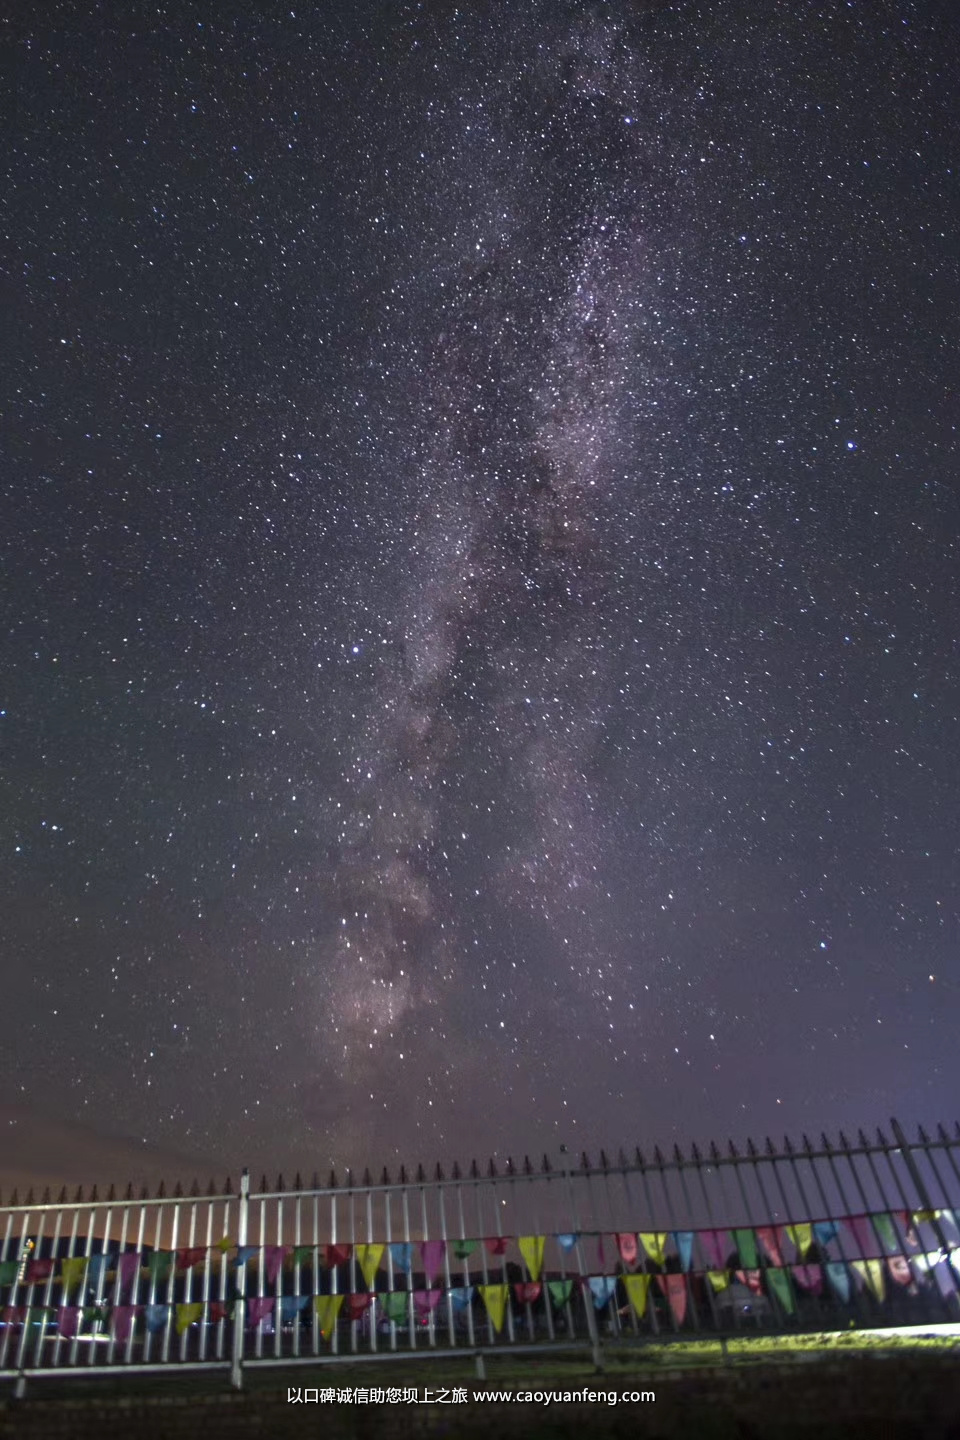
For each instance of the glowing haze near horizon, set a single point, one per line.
(481, 508)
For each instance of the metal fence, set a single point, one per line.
(561, 1254)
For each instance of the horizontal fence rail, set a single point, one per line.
(778, 1241)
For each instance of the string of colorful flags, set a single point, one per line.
(875, 1237)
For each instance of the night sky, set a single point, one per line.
(480, 574)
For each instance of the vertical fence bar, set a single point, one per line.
(240, 1302)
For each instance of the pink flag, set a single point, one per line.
(528, 1293)
(675, 1289)
(425, 1302)
(432, 1253)
(128, 1267)
(273, 1257)
(496, 1244)
(190, 1256)
(627, 1245)
(336, 1255)
(259, 1307)
(123, 1319)
(810, 1277)
(863, 1233)
(750, 1278)
(67, 1317)
(716, 1247)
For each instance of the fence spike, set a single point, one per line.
(94, 1196)
(806, 1144)
(455, 1172)
(62, 1197)
(714, 1152)
(111, 1193)
(349, 1178)
(751, 1149)
(678, 1154)
(211, 1187)
(826, 1143)
(941, 1132)
(421, 1177)
(733, 1150)
(403, 1175)
(195, 1189)
(639, 1158)
(862, 1139)
(585, 1161)
(228, 1186)
(492, 1169)
(527, 1167)
(546, 1167)
(385, 1177)
(771, 1148)
(366, 1178)
(46, 1196)
(438, 1173)
(787, 1147)
(144, 1193)
(474, 1170)
(162, 1192)
(956, 1128)
(509, 1167)
(315, 1181)
(178, 1191)
(30, 1200)
(695, 1153)
(603, 1161)
(15, 1198)
(128, 1193)
(923, 1135)
(844, 1142)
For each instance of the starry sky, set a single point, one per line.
(480, 648)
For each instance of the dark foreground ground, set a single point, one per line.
(893, 1396)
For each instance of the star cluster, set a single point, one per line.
(481, 538)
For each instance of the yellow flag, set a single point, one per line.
(186, 1315)
(718, 1279)
(531, 1248)
(919, 1216)
(495, 1299)
(369, 1257)
(636, 1287)
(225, 1244)
(327, 1308)
(871, 1271)
(71, 1271)
(801, 1236)
(655, 1244)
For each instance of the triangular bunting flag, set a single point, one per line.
(528, 1292)
(746, 1243)
(71, 1270)
(123, 1317)
(157, 1316)
(637, 1288)
(432, 1253)
(425, 1302)
(675, 1289)
(290, 1307)
(368, 1258)
(655, 1243)
(715, 1245)
(358, 1305)
(401, 1253)
(560, 1291)
(718, 1279)
(825, 1230)
(800, 1237)
(259, 1308)
(810, 1277)
(627, 1246)
(334, 1255)
(494, 1298)
(871, 1273)
(767, 1236)
(327, 1308)
(188, 1315)
(67, 1318)
(567, 1242)
(602, 1288)
(778, 1282)
(886, 1233)
(461, 1297)
(531, 1248)
(683, 1239)
(273, 1258)
(496, 1244)
(839, 1277)
(463, 1249)
(395, 1305)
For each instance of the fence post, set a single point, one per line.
(239, 1307)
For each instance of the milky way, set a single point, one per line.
(482, 501)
